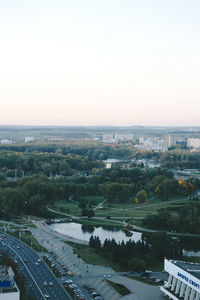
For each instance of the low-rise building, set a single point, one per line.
(183, 281)
(8, 286)
(6, 142)
(29, 139)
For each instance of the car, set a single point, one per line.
(82, 297)
(18, 247)
(25, 260)
(97, 298)
(71, 286)
(39, 260)
(36, 263)
(45, 283)
(123, 274)
(51, 283)
(47, 296)
(106, 276)
(95, 294)
(85, 286)
(69, 281)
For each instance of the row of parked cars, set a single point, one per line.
(75, 289)
(69, 283)
(95, 295)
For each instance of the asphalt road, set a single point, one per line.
(35, 275)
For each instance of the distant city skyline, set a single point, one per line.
(93, 63)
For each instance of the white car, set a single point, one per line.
(47, 296)
(106, 276)
(69, 281)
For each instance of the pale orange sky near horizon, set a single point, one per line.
(100, 63)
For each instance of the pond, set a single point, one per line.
(190, 245)
(84, 232)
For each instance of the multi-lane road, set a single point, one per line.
(35, 273)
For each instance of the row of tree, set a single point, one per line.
(139, 255)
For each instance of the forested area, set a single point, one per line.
(187, 220)
(95, 150)
(49, 164)
(44, 178)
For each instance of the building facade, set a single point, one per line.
(171, 140)
(193, 143)
(183, 281)
(8, 287)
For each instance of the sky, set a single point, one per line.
(108, 62)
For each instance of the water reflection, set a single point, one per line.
(84, 232)
(87, 228)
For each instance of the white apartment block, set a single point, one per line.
(123, 137)
(152, 144)
(108, 138)
(193, 143)
(6, 142)
(162, 144)
(28, 139)
(171, 140)
(183, 281)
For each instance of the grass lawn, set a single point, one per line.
(135, 222)
(120, 288)
(72, 208)
(24, 222)
(67, 207)
(28, 238)
(130, 209)
(36, 218)
(195, 259)
(70, 291)
(93, 199)
(97, 222)
(141, 210)
(92, 256)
